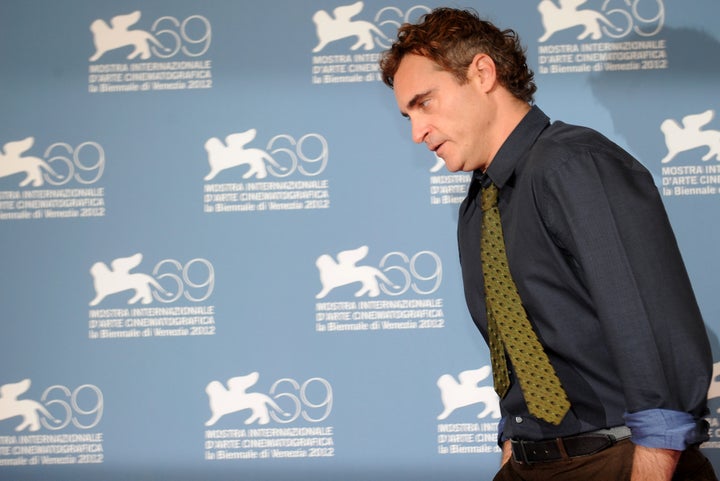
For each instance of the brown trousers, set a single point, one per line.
(612, 464)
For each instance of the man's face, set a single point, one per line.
(448, 116)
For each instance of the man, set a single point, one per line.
(592, 256)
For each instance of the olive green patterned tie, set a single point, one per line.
(509, 328)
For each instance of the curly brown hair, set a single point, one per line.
(451, 38)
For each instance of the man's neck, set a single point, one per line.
(510, 112)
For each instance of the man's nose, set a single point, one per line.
(419, 130)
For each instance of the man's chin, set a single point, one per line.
(460, 166)
(453, 166)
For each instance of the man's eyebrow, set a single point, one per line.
(414, 101)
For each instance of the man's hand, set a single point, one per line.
(652, 464)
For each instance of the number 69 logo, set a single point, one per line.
(82, 406)
(84, 163)
(398, 272)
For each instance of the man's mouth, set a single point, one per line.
(436, 147)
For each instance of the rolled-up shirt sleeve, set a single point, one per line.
(661, 428)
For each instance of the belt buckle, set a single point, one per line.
(519, 444)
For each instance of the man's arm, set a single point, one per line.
(607, 213)
(653, 464)
(654, 331)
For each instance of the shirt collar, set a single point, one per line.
(518, 142)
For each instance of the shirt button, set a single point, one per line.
(518, 419)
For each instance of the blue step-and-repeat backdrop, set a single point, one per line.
(223, 258)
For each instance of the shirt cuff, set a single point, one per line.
(666, 429)
(501, 436)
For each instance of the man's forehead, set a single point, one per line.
(412, 72)
(417, 63)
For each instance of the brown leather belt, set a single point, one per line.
(530, 452)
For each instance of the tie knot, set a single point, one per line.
(489, 197)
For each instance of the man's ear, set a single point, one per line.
(482, 70)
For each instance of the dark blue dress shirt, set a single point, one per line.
(601, 277)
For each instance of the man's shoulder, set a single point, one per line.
(561, 142)
(569, 152)
(564, 136)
